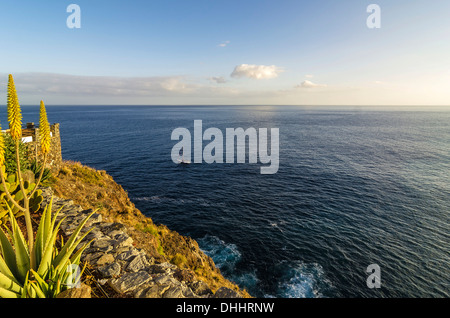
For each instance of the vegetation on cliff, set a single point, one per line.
(96, 189)
(34, 262)
(31, 265)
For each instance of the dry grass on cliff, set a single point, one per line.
(95, 189)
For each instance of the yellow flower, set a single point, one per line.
(44, 130)
(14, 113)
(2, 149)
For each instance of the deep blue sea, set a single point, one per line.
(356, 186)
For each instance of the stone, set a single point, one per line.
(187, 292)
(114, 233)
(109, 227)
(165, 279)
(69, 225)
(127, 254)
(71, 211)
(162, 268)
(183, 275)
(102, 281)
(126, 269)
(225, 292)
(104, 245)
(138, 263)
(153, 291)
(91, 257)
(123, 240)
(200, 288)
(174, 292)
(104, 225)
(84, 291)
(110, 270)
(104, 259)
(94, 219)
(64, 202)
(129, 282)
(94, 234)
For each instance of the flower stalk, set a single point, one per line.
(15, 129)
(33, 267)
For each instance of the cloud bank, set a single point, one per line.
(64, 89)
(257, 72)
(309, 84)
(218, 79)
(53, 84)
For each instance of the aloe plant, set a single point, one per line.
(15, 130)
(12, 185)
(32, 267)
(54, 272)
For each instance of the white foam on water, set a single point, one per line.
(226, 256)
(304, 281)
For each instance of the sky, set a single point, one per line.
(226, 52)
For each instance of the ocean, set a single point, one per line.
(356, 186)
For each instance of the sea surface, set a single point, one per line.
(356, 186)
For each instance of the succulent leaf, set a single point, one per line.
(2, 149)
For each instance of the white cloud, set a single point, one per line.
(256, 71)
(309, 84)
(63, 89)
(309, 76)
(71, 89)
(218, 79)
(224, 44)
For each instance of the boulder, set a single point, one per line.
(129, 282)
(224, 292)
(110, 270)
(84, 291)
(138, 263)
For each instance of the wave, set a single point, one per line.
(224, 255)
(303, 280)
(296, 279)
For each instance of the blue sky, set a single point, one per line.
(227, 52)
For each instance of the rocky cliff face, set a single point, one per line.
(130, 256)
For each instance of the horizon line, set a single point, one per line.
(225, 105)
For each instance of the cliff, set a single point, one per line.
(168, 257)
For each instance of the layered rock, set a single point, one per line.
(128, 270)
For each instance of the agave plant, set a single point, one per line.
(12, 185)
(54, 272)
(15, 130)
(32, 267)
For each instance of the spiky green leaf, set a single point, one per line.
(9, 284)
(5, 270)
(8, 294)
(70, 243)
(8, 252)
(20, 247)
